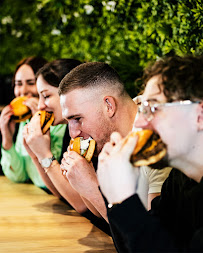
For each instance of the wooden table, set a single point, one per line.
(33, 221)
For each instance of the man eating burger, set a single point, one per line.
(172, 106)
(95, 103)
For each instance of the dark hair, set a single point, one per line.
(53, 72)
(35, 62)
(90, 75)
(181, 77)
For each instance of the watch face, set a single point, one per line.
(46, 162)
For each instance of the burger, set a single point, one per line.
(149, 151)
(84, 147)
(20, 111)
(46, 120)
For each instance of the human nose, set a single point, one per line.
(24, 90)
(41, 104)
(74, 130)
(141, 121)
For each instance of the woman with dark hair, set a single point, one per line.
(39, 146)
(16, 163)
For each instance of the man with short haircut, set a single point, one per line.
(95, 103)
(172, 106)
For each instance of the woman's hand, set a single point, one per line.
(32, 103)
(37, 142)
(7, 126)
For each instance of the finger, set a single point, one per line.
(102, 156)
(35, 123)
(7, 109)
(32, 105)
(65, 162)
(62, 167)
(65, 155)
(74, 155)
(128, 145)
(25, 131)
(115, 138)
(107, 148)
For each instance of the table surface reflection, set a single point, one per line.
(33, 221)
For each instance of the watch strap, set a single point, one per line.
(51, 165)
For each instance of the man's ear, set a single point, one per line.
(110, 105)
(200, 117)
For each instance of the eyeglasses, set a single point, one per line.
(148, 109)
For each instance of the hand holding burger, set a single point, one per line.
(84, 147)
(36, 136)
(117, 176)
(119, 161)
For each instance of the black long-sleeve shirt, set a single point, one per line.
(174, 224)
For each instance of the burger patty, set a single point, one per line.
(20, 116)
(153, 146)
(47, 118)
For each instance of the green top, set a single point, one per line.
(17, 164)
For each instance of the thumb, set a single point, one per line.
(129, 144)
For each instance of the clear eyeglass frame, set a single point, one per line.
(148, 108)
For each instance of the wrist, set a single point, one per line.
(119, 198)
(53, 164)
(7, 145)
(47, 162)
(40, 157)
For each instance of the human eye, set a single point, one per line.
(45, 95)
(18, 83)
(31, 82)
(77, 119)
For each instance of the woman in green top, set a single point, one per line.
(16, 163)
(41, 146)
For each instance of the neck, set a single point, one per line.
(192, 170)
(126, 117)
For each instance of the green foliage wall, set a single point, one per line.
(127, 34)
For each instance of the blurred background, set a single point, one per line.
(127, 34)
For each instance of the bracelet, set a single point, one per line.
(52, 165)
(110, 205)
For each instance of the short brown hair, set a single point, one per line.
(90, 75)
(182, 77)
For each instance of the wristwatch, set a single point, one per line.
(46, 162)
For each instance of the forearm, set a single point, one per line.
(65, 189)
(141, 232)
(96, 205)
(7, 143)
(45, 178)
(13, 165)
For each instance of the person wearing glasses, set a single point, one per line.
(172, 106)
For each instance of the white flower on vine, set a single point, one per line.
(16, 33)
(88, 9)
(76, 14)
(110, 6)
(7, 20)
(64, 18)
(56, 32)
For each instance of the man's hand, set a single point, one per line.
(79, 173)
(117, 176)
